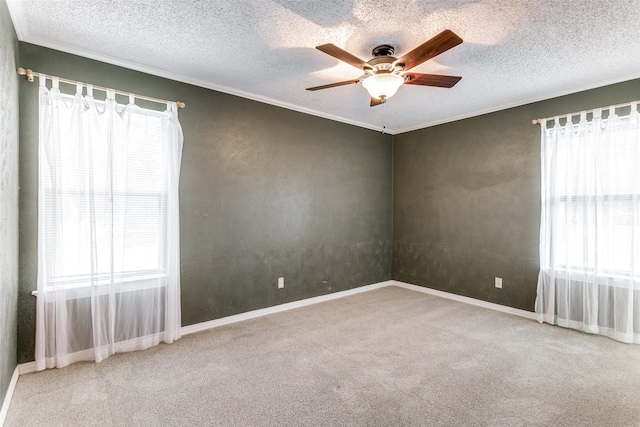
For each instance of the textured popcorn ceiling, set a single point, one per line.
(514, 52)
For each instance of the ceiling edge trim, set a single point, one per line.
(545, 97)
(196, 82)
(16, 12)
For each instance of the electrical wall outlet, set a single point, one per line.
(499, 282)
(280, 282)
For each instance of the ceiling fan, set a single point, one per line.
(384, 73)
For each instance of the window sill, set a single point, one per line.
(606, 278)
(86, 290)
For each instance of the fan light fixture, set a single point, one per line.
(384, 73)
(383, 86)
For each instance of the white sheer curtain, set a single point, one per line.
(108, 233)
(590, 229)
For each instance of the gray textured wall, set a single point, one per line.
(466, 202)
(264, 192)
(267, 192)
(8, 199)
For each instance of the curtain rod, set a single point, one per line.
(30, 74)
(625, 104)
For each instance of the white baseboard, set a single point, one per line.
(8, 396)
(26, 368)
(198, 327)
(467, 300)
(29, 367)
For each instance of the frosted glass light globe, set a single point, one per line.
(383, 85)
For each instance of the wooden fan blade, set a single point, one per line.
(436, 80)
(342, 55)
(376, 101)
(429, 49)
(346, 82)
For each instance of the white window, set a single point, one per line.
(108, 227)
(590, 224)
(105, 202)
(592, 198)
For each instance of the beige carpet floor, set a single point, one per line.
(389, 357)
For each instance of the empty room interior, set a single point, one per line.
(287, 212)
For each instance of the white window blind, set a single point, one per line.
(590, 224)
(108, 227)
(114, 195)
(594, 205)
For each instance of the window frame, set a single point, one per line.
(81, 285)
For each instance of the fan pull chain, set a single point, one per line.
(384, 126)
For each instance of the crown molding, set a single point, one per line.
(16, 12)
(192, 81)
(545, 97)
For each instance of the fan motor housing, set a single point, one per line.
(383, 50)
(383, 59)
